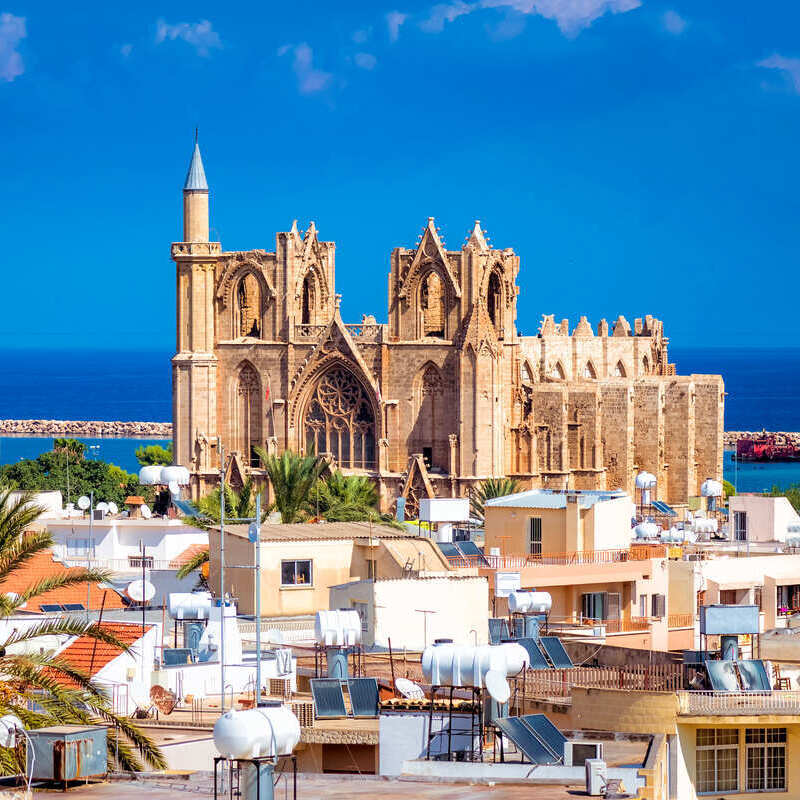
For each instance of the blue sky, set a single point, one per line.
(640, 156)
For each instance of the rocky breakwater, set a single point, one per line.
(85, 428)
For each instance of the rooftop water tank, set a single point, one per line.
(646, 530)
(530, 602)
(179, 475)
(337, 628)
(150, 475)
(189, 605)
(645, 480)
(711, 488)
(264, 732)
(486, 665)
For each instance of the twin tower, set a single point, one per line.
(443, 395)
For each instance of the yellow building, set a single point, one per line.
(300, 563)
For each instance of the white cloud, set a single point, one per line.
(365, 60)
(200, 35)
(394, 21)
(571, 16)
(673, 22)
(125, 50)
(790, 67)
(309, 78)
(361, 36)
(443, 13)
(12, 32)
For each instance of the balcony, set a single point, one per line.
(577, 558)
(705, 704)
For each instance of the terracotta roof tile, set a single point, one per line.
(42, 566)
(186, 556)
(134, 500)
(90, 656)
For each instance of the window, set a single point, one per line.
(766, 759)
(535, 536)
(80, 547)
(740, 526)
(727, 597)
(296, 573)
(717, 760)
(427, 456)
(363, 613)
(593, 605)
(658, 605)
(372, 569)
(642, 605)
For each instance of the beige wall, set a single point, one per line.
(767, 517)
(394, 610)
(604, 526)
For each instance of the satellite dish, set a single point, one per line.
(113, 508)
(409, 689)
(174, 489)
(497, 686)
(140, 591)
(146, 512)
(84, 502)
(102, 507)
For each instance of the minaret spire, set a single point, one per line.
(195, 199)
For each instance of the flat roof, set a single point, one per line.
(549, 498)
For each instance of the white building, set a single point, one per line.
(755, 518)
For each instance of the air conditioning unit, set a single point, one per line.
(599, 631)
(577, 752)
(596, 777)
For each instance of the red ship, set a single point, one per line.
(766, 447)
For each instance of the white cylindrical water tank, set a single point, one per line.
(150, 475)
(337, 628)
(645, 480)
(711, 488)
(530, 602)
(646, 530)
(450, 664)
(178, 474)
(189, 605)
(264, 732)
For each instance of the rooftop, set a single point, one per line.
(187, 555)
(325, 530)
(43, 566)
(90, 655)
(548, 498)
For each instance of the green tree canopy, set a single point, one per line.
(150, 454)
(727, 489)
(49, 471)
(491, 487)
(292, 477)
(792, 492)
(344, 498)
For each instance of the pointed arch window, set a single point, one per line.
(646, 364)
(557, 372)
(248, 307)
(493, 300)
(339, 420)
(589, 371)
(526, 373)
(619, 370)
(432, 305)
(308, 299)
(248, 414)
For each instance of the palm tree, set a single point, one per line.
(344, 498)
(491, 487)
(42, 689)
(238, 505)
(292, 477)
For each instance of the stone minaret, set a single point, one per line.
(194, 367)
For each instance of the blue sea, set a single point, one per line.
(763, 391)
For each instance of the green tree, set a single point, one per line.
(728, 489)
(791, 492)
(150, 454)
(292, 478)
(65, 466)
(42, 689)
(344, 498)
(488, 489)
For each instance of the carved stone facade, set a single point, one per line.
(445, 394)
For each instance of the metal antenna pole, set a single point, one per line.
(258, 597)
(222, 572)
(89, 551)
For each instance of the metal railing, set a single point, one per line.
(738, 703)
(576, 558)
(131, 564)
(680, 620)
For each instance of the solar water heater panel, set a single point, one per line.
(363, 696)
(527, 742)
(722, 675)
(538, 661)
(546, 732)
(328, 698)
(498, 630)
(449, 550)
(754, 676)
(555, 652)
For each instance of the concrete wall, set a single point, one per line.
(627, 712)
(767, 517)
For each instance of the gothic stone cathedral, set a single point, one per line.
(444, 395)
